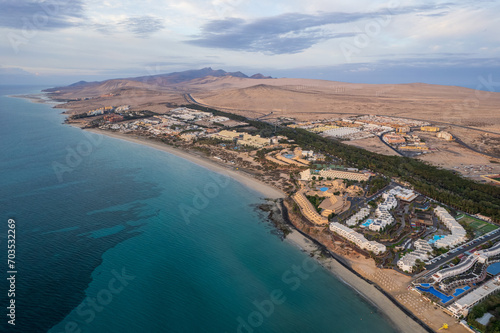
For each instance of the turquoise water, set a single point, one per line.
(119, 237)
(435, 238)
(367, 223)
(494, 269)
(324, 189)
(460, 291)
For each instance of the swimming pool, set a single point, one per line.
(367, 223)
(323, 189)
(444, 299)
(460, 291)
(426, 285)
(494, 269)
(289, 156)
(435, 238)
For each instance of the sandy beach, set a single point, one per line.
(266, 190)
(400, 320)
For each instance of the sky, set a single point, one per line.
(367, 41)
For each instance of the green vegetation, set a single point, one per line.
(440, 184)
(439, 251)
(376, 184)
(492, 305)
(316, 201)
(469, 229)
(478, 227)
(190, 131)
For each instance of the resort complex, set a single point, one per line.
(443, 254)
(458, 233)
(357, 238)
(423, 252)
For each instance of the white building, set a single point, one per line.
(403, 194)
(467, 263)
(423, 252)
(358, 217)
(458, 233)
(357, 238)
(340, 132)
(384, 218)
(464, 304)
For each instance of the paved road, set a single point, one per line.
(460, 142)
(381, 137)
(451, 256)
(403, 222)
(190, 99)
(433, 121)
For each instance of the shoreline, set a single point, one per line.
(240, 176)
(339, 267)
(341, 270)
(398, 318)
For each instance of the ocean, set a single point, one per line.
(112, 236)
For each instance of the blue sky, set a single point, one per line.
(63, 41)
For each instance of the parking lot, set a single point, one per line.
(444, 258)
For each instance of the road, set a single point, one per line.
(475, 243)
(381, 137)
(460, 142)
(433, 121)
(190, 99)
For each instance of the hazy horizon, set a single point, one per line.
(59, 42)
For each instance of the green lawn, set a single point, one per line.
(480, 227)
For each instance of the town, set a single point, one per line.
(449, 255)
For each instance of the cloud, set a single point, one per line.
(13, 71)
(288, 33)
(143, 26)
(46, 15)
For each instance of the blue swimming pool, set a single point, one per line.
(460, 291)
(367, 223)
(444, 299)
(435, 238)
(324, 189)
(425, 285)
(494, 269)
(289, 156)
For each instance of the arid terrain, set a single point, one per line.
(470, 115)
(297, 98)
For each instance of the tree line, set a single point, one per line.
(439, 184)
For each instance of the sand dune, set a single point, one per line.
(298, 98)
